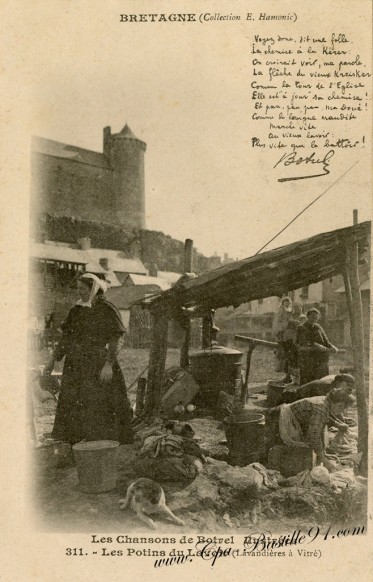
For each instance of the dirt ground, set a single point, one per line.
(60, 506)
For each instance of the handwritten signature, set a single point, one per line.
(292, 158)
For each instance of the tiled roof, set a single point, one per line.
(57, 149)
(58, 253)
(148, 280)
(118, 262)
(124, 297)
(169, 276)
(127, 132)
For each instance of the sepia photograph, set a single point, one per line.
(194, 339)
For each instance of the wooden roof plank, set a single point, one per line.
(270, 273)
(254, 278)
(235, 295)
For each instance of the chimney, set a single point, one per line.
(188, 255)
(153, 270)
(84, 243)
(104, 263)
(107, 136)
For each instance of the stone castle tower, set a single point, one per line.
(126, 155)
(102, 187)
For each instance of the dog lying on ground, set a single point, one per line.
(146, 497)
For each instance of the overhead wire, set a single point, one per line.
(305, 208)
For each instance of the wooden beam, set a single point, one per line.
(247, 287)
(247, 284)
(240, 293)
(188, 268)
(184, 352)
(271, 273)
(285, 266)
(357, 337)
(140, 395)
(347, 284)
(252, 346)
(255, 341)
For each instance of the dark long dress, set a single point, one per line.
(313, 364)
(87, 408)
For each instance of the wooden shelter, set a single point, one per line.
(270, 273)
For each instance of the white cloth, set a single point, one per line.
(281, 320)
(290, 430)
(270, 477)
(96, 285)
(320, 476)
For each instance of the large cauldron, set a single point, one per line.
(214, 369)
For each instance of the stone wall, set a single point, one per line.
(70, 188)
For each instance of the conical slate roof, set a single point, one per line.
(127, 132)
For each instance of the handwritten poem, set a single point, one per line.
(309, 97)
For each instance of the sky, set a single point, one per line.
(186, 93)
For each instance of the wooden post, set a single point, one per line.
(140, 395)
(157, 362)
(357, 337)
(188, 267)
(237, 400)
(248, 365)
(184, 352)
(347, 284)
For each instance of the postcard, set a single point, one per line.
(186, 241)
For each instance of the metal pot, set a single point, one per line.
(215, 369)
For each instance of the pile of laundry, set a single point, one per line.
(344, 447)
(344, 442)
(320, 476)
(168, 452)
(268, 478)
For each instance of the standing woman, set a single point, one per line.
(93, 403)
(314, 349)
(290, 338)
